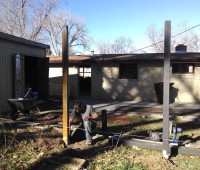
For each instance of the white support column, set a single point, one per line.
(166, 95)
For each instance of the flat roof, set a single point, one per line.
(102, 58)
(72, 58)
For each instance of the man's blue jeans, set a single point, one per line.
(89, 126)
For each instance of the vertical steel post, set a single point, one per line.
(65, 85)
(104, 120)
(166, 96)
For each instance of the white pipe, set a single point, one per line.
(166, 155)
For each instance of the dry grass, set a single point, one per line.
(32, 148)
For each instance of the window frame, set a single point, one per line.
(180, 70)
(84, 72)
(124, 71)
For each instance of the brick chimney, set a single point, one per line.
(181, 48)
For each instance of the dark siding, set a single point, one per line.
(8, 50)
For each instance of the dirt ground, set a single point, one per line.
(40, 146)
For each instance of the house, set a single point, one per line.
(132, 76)
(79, 81)
(23, 64)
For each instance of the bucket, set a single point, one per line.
(35, 95)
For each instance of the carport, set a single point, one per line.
(23, 64)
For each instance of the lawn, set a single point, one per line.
(42, 147)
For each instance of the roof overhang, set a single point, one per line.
(117, 58)
(22, 40)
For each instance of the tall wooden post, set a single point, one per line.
(166, 97)
(65, 102)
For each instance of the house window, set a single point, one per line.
(128, 71)
(183, 68)
(85, 72)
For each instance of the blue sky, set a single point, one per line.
(109, 19)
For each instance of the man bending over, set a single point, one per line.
(83, 116)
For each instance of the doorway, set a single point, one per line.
(31, 78)
(36, 75)
(31, 72)
(85, 81)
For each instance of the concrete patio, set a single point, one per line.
(184, 111)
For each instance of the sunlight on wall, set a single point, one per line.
(55, 72)
(111, 72)
(107, 85)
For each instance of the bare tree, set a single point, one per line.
(155, 37)
(42, 21)
(25, 18)
(121, 45)
(104, 47)
(188, 37)
(78, 34)
(183, 35)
